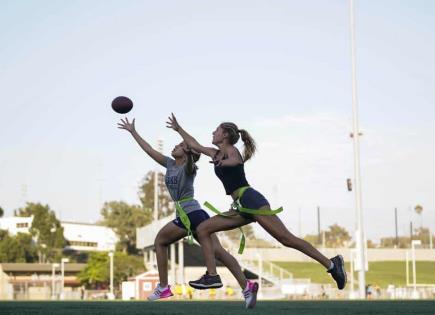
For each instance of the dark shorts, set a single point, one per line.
(252, 199)
(195, 217)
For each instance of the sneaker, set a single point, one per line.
(338, 272)
(250, 294)
(160, 293)
(207, 282)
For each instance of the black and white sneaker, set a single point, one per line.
(338, 272)
(207, 282)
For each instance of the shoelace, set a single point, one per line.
(202, 279)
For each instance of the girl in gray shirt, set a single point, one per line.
(179, 178)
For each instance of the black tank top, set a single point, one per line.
(232, 177)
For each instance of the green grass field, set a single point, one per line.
(380, 273)
(211, 308)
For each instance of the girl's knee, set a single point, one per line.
(159, 241)
(202, 230)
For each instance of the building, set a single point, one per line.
(79, 236)
(44, 281)
(16, 225)
(88, 237)
(23, 281)
(141, 286)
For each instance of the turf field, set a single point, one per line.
(211, 308)
(380, 273)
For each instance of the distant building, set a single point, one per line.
(88, 237)
(22, 281)
(79, 236)
(16, 225)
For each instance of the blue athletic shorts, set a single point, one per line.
(252, 199)
(196, 218)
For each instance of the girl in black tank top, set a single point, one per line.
(183, 161)
(229, 166)
(232, 177)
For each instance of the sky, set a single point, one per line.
(279, 69)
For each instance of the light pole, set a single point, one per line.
(53, 283)
(62, 266)
(352, 278)
(44, 256)
(414, 274)
(355, 136)
(111, 296)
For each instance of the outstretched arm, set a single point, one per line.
(190, 141)
(154, 154)
(190, 163)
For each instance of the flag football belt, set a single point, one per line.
(236, 205)
(184, 218)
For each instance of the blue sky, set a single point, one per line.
(280, 69)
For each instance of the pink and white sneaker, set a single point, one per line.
(250, 294)
(160, 293)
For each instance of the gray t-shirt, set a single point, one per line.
(180, 184)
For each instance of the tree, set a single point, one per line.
(96, 274)
(146, 195)
(390, 242)
(371, 244)
(17, 249)
(124, 219)
(2, 212)
(424, 235)
(46, 230)
(335, 236)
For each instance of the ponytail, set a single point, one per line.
(234, 135)
(250, 146)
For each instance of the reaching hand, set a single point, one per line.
(127, 125)
(173, 123)
(217, 161)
